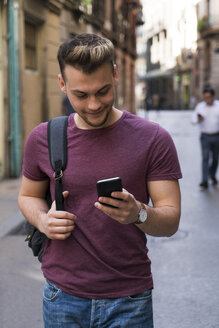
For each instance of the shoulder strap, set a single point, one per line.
(57, 144)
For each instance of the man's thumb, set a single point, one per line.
(65, 194)
(53, 207)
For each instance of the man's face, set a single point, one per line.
(91, 95)
(208, 98)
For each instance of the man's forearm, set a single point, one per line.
(31, 200)
(54, 224)
(161, 221)
(33, 208)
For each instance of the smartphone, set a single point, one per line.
(107, 186)
(201, 118)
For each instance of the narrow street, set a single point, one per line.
(185, 267)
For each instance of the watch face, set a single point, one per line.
(143, 215)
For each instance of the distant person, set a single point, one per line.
(206, 114)
(67, 108)
(156, 101)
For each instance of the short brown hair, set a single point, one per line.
(208, 89)
(85, 52)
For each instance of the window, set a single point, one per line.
(98, 9)
(30, 46)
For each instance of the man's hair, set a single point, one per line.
(209, 90)
(86, 52)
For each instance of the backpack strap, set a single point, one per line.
(57, 144)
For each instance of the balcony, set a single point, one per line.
(207, 27)
(203, 24)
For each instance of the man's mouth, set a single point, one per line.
(96, 113)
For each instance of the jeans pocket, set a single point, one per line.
(147, 295)
(51, 292)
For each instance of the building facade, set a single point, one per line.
(31, 32)
(181, 52)
(206, 59)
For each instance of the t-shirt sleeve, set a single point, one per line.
(31, 167)
(164, 163)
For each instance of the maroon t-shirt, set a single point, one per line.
(102, 258)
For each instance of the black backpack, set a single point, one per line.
(57, 144)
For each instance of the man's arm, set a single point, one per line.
(163, 217)
(197, 116)
(32, 203)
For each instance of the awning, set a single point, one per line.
(156, 73)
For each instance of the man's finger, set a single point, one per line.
(63, 222)
(65, 194)
(61, 236)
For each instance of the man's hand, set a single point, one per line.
(200, 118)
(163, 217)
(57, 224)
(126, 210)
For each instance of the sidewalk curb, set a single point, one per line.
(11, 224)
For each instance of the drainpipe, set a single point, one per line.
(2, 131)
(14, 90)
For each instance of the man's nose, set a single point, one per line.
(93, 103)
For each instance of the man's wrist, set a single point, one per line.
(142, 215)
(41, 223)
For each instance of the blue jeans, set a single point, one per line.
(64, 310)
(210, 150)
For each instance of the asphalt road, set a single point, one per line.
(21, 285)
(185, 267)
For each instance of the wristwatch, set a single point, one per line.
(142, 215)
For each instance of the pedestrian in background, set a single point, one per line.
(67, 108)
(96, 262)
(206, 114)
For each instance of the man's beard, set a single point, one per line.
(99, 125)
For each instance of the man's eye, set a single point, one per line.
(81, 96)
(102, 93)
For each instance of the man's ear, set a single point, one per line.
(115, 74)
(61, 83)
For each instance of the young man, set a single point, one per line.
(207, 115)
(95, 263)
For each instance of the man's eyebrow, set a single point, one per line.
(77, 91)
(104, 87)
(101, 89)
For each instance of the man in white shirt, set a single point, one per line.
(206, 114)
